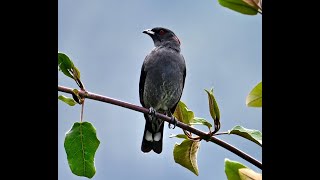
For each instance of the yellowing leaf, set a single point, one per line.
(183, 114)
(254, 99)
(231, 169)
(185, 154)
(248, 174)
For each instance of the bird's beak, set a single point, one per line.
(148, 31)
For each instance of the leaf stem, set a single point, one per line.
(220, 133)
(82, 107)
(184, 126)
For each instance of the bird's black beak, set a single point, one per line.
(149, 32)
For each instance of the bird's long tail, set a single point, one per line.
(152, 140)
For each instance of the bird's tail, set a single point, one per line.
(152, 140)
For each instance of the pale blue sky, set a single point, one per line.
(222, 49)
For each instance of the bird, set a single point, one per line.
(161, 84)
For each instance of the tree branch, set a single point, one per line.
(202, 134)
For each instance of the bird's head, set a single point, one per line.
(163, 36)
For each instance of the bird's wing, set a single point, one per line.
(184, 77)
(143, 75)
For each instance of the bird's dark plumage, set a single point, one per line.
(161, 84)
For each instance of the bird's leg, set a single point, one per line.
(172, 121)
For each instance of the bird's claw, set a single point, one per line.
(173, 121)
(152, 112)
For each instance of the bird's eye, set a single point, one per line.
(161, 32)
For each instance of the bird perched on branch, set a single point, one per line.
(161, 84)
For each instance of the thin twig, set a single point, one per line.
(203, 135)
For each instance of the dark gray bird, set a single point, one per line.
(161, 84)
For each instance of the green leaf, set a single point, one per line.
(185, 154)
(214, 109)
(231, 168)
(248, 174)
(200, 121)
(250, 134)
(254, 99)
(67, 67)
(183, 114)
(183, 136)
(239, 6)
(81, 143)
(67, 100)
(65, 64)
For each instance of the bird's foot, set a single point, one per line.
(152, 112)
(173, 121)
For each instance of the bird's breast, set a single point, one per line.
(164, 78)
(163, 88)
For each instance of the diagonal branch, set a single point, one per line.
(202, 134)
